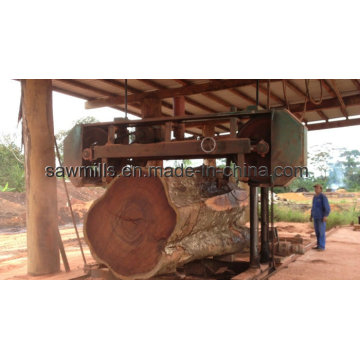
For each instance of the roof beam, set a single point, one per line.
(338, 95)
(209, 95)
(93, 89)
(333, 124)
(187, 99)
(170, 92)
(120, 85)
(263, 89)
(134, 91)
(326, 104)
(218, 100)
(236, 92)
(356, 83)
(333, 89)
(299, 92)
(246, 97)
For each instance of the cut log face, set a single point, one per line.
(128, 226)
(144, 226)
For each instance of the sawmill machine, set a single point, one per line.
(269, 147)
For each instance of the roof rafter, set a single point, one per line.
(272, 95)
(209, 95)
(333, 124)
(170, 92)
(356, 83)
(246, 97)
(299, 92)
(333, 89)
(84, 86)
(133, 90)
(190, 101)
(326, 104)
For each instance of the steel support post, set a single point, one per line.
(254, 220)
(265, 250)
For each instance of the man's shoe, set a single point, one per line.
(316, 248)
(320, 249)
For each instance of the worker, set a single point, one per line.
(319, 212)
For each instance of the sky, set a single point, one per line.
(68, 109)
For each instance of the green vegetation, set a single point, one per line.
(287, 214)
(346, 217)
(12, 173)
(62, 134)
(336, 218)
(6, 188)
(12, 170)
(329, 166)
(351, 169)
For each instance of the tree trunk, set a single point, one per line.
(144, 226)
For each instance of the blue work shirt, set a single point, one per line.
(320, 206)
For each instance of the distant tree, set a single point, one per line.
(320, 159)
(12, 170)
(220, 163)
(336, 174)
(351, 165)
(62, 134)
(302, 182)
(186, 163)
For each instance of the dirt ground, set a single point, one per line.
(340, 260)
(13, 212)
(13, 253)
(294, 228)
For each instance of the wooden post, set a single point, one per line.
(151, 107)
(41, 198)
(179, 110)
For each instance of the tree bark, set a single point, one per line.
(144, 226)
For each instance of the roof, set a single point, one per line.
(340, 98)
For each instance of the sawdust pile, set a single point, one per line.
(293, 196)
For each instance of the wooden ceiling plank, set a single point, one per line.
(209, 95)
(119, 85)
(333, 124)
(299, 92)
(331, 88)
(187, 99)
(356, 83)
(88, 87)
(246, 97)
(134, 90)
(157, 86)
(274, 97)
(339, 97)
(326, 104)
(236, 92)
(171, 92)
(93, 89)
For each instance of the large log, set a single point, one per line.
(144, 226)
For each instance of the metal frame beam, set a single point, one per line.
(176, 149)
